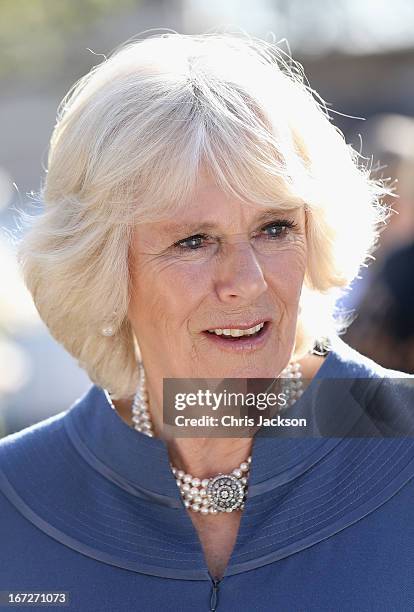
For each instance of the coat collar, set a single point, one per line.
(109, 444)
(106, 441)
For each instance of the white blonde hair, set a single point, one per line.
(129, 142)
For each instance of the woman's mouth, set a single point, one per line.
(238, 339)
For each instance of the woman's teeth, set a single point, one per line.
(236, 333)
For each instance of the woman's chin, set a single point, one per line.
(256, 370)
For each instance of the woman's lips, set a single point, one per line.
(242, 343)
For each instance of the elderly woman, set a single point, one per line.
(201, 217)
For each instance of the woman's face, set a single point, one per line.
(220, 265)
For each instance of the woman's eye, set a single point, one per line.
(272, 231)
(278, 228)
(192, 243)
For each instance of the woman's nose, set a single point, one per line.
(239, 274)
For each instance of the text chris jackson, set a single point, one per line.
(233, 421)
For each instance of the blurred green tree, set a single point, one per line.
(35, 34)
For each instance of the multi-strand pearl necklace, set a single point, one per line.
(221, 493)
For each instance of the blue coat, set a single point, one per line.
(89, 507)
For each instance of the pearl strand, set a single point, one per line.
(140, 413)
(294, 388)
(224, 492)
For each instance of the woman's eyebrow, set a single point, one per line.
(192, 227)
(269, 214)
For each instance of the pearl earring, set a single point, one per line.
(108, 331)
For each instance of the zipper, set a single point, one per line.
(214, 593)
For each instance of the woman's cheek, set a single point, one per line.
(287, 273)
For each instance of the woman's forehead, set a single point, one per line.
(209, 205)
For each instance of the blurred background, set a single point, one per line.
(357, 54)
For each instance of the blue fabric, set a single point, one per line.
(90, 506)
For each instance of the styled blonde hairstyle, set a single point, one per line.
(130, 139)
